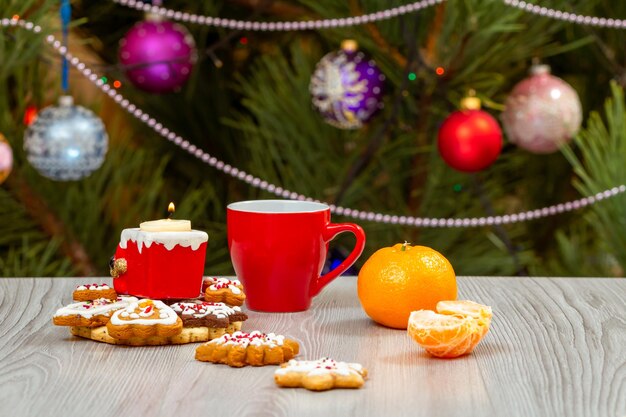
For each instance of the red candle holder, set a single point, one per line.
(160, 265)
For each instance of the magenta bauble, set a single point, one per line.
(469, 140)
(542, 112)
(157, 56)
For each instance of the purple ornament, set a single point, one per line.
(158, 56)
(347, 87)
(542, 112)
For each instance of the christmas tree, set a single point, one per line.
(247, 102)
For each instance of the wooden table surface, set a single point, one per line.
(557, 347)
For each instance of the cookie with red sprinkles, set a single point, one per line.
(90, 313)
(196, 313)
(240, 349)
(223, 290)
(320, 375)
(90, 292)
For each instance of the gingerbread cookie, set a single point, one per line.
(187, 335)
(224, 290)
(90, 292)
(196, 313)
(320, 375)
(144, 319)
(241, 349)
(91, 313)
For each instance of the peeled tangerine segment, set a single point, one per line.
(441, 335)
(453, 331)
(465, 308)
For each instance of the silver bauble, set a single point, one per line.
(66, 142)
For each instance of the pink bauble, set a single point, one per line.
(6, 159)
(157, 56)
(542, 112)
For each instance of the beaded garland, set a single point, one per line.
(281, 192)
(360, 20)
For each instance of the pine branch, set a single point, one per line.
(277, 8)
(433, 35)
(602, 146)
(418, 179)
(479, 191)
(51, 224)
(378, 138)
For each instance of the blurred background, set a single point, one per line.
(246, 100)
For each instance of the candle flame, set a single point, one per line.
(171, 209)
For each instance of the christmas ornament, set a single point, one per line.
(470, 140)
(158, 56)
(6, 158)
(542, 113)
(66, 142)
(347, 87)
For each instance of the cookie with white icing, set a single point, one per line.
(196, 313)
(143, 319)
(91, 313)
(241, 349)
(188, 335)
(89, 292)
(320, 375)
(223, 290)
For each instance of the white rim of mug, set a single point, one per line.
(304, 206)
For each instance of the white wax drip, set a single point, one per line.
(192, 239)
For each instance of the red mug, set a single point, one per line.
(278, 249)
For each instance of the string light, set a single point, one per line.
(284, 193)
(30, 114)
(440, 71)
(412, 76)
(117, 84)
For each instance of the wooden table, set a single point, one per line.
(557, 347)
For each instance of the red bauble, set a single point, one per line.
(470, 140)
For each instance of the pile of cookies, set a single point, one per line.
(101, 315)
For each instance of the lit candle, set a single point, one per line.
(166, 225)
(167, 232)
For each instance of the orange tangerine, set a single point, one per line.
(397, 280)
(454, 330)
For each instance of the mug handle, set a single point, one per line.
(332, 230)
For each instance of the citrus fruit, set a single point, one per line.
(454, 330)
(397, 280)
(465, 308)
(441, 335)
